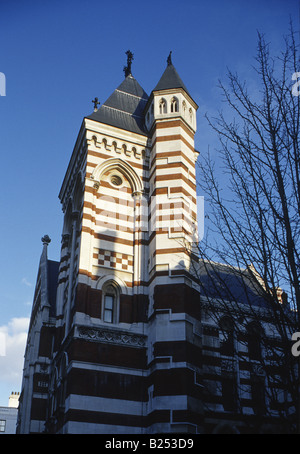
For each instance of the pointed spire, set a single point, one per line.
(128, 98)
(46, 240)
(170, 78)
(127, 69)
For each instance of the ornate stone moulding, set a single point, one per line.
(111, 336)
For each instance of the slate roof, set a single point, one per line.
(124, 108)
(170, 79)
(225, 282)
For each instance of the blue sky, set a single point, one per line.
(56, 57)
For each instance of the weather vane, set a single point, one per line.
(127, 69)
(96, 103)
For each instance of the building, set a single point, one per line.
(38, 352)
(249, 376)
(116, 340)
(8, 415)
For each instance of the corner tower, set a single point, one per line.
(174, 342)
(170, 118)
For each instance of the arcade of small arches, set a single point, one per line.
(170, 105)
(114, 146)
(173, 106)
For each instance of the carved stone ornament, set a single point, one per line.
(111, 336)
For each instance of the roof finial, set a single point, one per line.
(96, 103)
(169, 59)
(127, 69)
(46, 240)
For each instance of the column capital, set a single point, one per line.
(138, 194)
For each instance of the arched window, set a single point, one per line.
(114, 146)
(191, 114)
(184, 108)
(110, 303)
(162, 106)
(174, 105)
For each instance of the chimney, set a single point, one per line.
(13, 401)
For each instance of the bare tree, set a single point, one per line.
(254, 222)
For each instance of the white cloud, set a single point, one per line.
(14, 336)
(26, 282)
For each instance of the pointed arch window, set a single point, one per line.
(110, 303)
(162, 106)
(174, 105)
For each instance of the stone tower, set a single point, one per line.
(126, 346)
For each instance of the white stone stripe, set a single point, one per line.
(173, 131)
(74, 427)
(94, 403)
(106, 368)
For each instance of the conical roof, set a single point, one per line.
(124, 108)
(170, 79)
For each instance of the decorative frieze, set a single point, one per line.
(111, 336)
